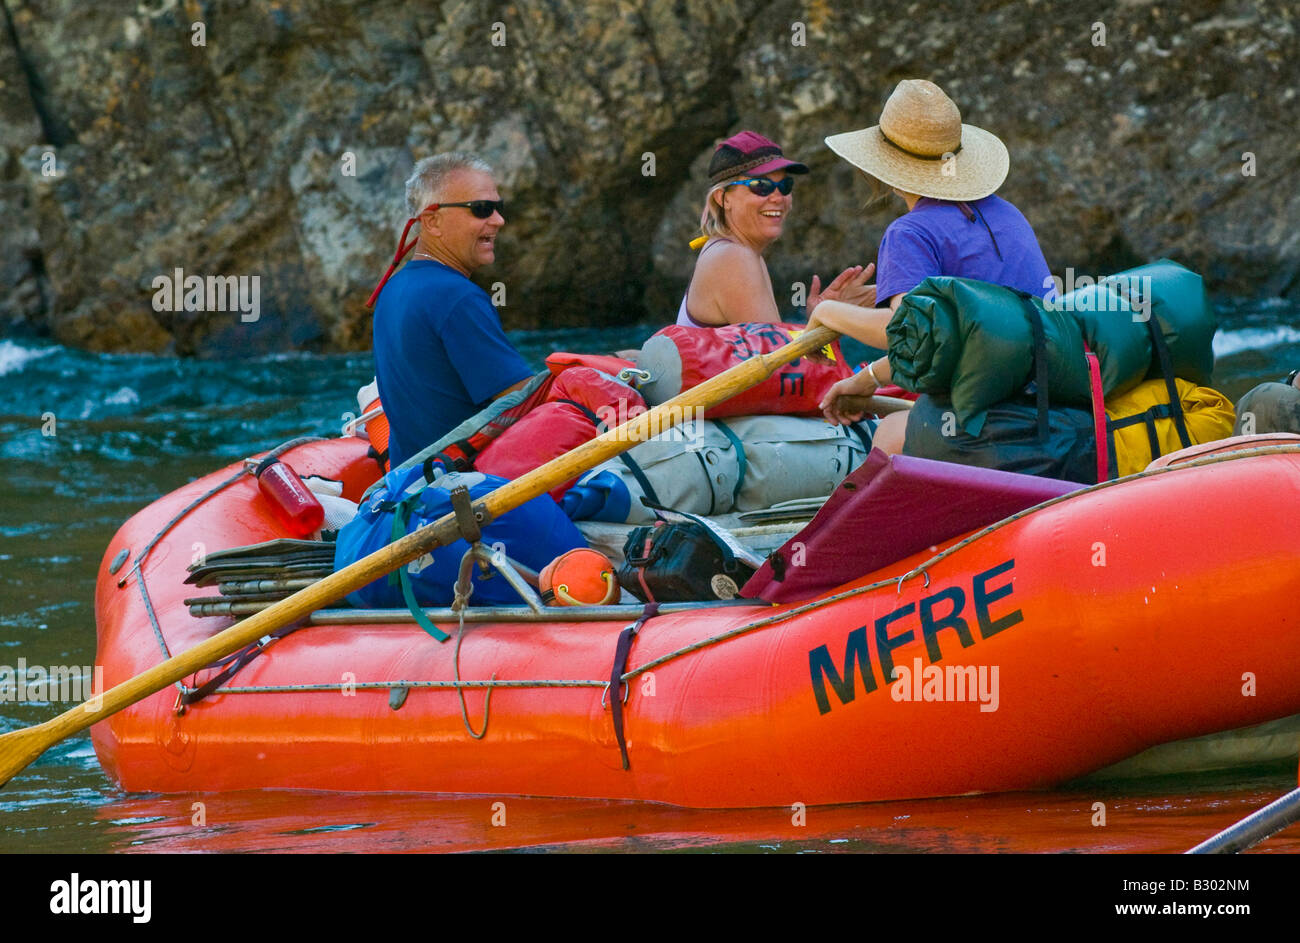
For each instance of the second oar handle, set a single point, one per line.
(872, 405)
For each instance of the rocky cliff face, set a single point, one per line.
(271, 139)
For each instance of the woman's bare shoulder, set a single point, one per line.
(724, 258)
(731, 285)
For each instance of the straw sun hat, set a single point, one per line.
(921, 147)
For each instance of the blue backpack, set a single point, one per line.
(533, 534)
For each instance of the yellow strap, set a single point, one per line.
(828, 351)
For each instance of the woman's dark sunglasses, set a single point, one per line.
(761, 186)
(483, 209)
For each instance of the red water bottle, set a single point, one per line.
(295, 506)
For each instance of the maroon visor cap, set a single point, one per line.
(749, 153)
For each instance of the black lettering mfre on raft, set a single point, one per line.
(935, 613)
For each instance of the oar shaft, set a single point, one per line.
(1254, 828)
(879, 405)
(21, 747)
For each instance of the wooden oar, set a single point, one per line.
(19, 748)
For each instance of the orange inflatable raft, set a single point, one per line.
(1064, 639)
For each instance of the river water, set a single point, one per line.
(88, 439)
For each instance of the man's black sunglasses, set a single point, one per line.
(483, 209)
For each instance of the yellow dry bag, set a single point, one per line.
(1141, 426)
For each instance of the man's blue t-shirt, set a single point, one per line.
(440, 354)
(937, 238)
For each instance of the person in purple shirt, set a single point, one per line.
(946, 173)
(440, 352)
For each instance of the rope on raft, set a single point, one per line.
(388, 685)
(460, 690)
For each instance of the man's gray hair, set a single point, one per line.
(430, 175)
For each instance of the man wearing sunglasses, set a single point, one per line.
(440, 352)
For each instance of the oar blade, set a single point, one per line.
(20, 748)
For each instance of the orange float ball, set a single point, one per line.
(582, 577)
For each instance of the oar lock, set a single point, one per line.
(468, 517)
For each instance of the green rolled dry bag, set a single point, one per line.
(973, 341)
(1122, 344)
(1176, 297)
(924, 341)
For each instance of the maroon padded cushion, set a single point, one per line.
(888, 509)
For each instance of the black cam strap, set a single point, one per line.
(232, 665)
(616, 682)
(1167, 370)
(1040, 364)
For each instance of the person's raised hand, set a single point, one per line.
(849, 286)
(834, 291)
(855, 290)
(815, 297)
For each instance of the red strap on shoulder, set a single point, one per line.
(1098, 414)
(403, 248)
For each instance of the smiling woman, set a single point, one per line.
(744, 213)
